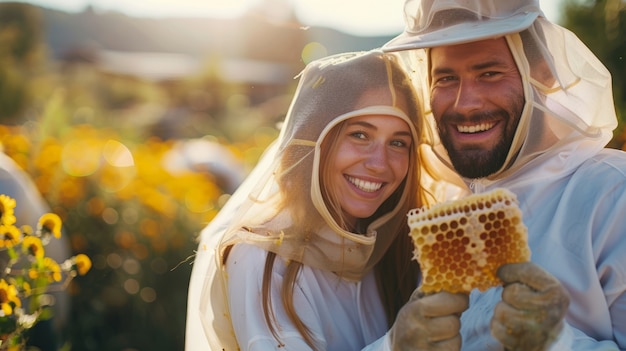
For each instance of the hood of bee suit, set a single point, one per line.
(286, 211)
(569, 111)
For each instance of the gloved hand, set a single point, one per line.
(530, 315)
(428, 323)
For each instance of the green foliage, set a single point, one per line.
(601, 25)
(13, 92)
(20, 30)
(138, 221)
(20, 54)
(76, 128)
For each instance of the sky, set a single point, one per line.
(359, 17)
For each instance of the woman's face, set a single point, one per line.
(371, 160)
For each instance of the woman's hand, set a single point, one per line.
(530, 315)
(429, 323)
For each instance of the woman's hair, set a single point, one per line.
(394, 289)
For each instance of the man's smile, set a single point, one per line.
(475, 128)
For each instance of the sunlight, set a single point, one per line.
(359, 17)
(163, 8)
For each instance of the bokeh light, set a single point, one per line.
(313, 51)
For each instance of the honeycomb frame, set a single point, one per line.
(461, 244)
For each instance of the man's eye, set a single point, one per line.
(491, 74)
(444, 79)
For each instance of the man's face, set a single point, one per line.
(477, 99)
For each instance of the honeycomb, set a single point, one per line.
(460, 244)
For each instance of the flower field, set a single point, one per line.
(136, 216)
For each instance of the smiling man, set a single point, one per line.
(475, 124)
(518, 102)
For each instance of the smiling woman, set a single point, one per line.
(370, 161)
(318, 240)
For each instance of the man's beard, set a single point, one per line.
(479, 163)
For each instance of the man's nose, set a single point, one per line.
(469, 98)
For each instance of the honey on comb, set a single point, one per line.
(460, 244)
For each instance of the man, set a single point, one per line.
(520, 103)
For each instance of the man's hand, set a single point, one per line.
(530, 315)
(429, 323)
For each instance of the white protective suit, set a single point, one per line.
(336, 294)
(571, 190)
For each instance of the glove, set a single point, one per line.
(429, 322)
(530, 315)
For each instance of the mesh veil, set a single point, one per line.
(281, 206)
(569, 107)
(286, 210)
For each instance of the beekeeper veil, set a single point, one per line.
(569, 108)
(283, 206)
(288, 209)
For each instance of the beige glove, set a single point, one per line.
(429, 323)
(530, 315)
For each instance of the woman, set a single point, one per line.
(317, 256)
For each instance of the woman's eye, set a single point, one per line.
(358, 135)
(400, 143)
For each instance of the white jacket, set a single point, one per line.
(577, 231)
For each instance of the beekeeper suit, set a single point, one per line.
(337, 290)
(571, 189)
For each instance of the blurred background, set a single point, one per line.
(136, 121)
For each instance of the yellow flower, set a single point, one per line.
(83, 264)
(26, 229)
(50, 223)
(7, 205)
(9, 236)
(49, 269)
(52, 269)
(8, 297)
(32, 245)
(27, 288)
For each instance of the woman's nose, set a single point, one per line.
(377, 158)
